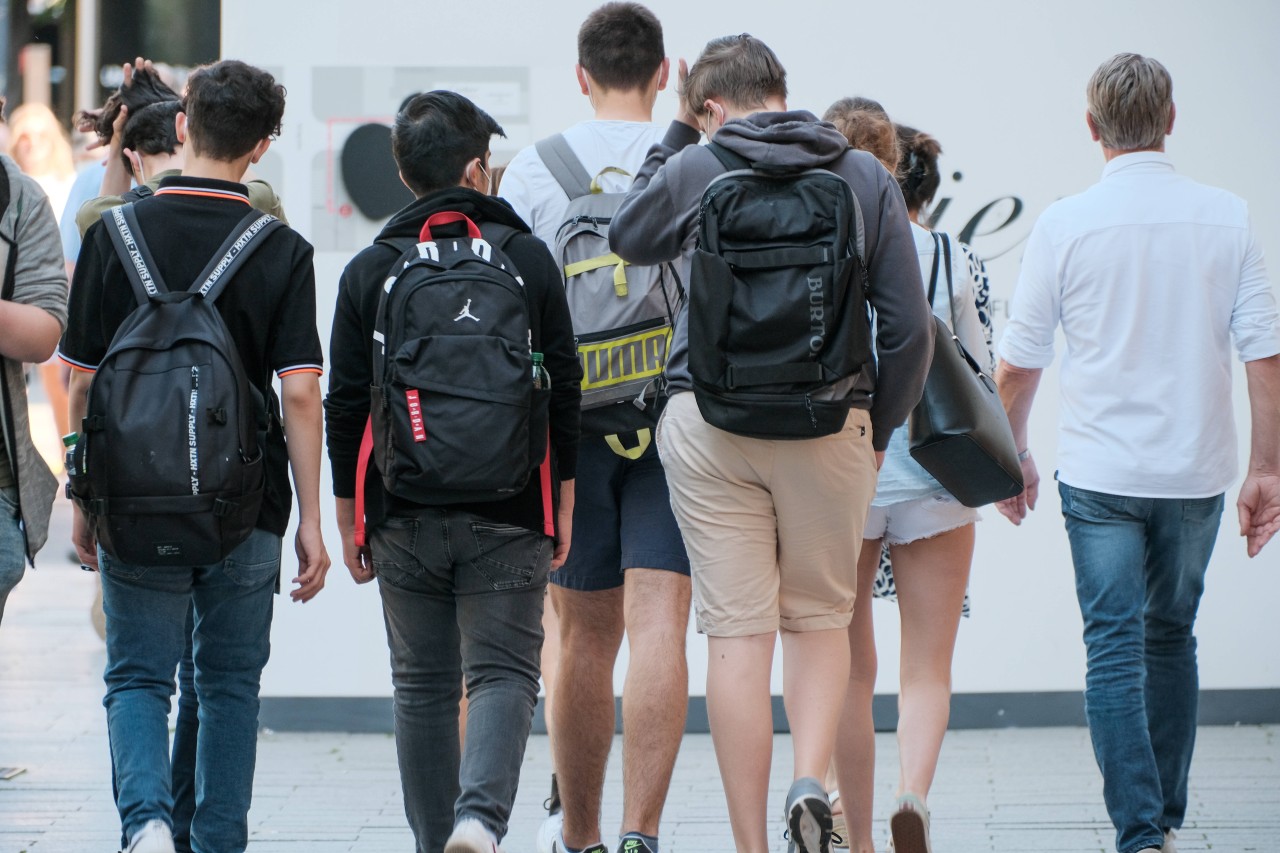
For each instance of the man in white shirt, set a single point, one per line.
(628, 567)
(1150, 276)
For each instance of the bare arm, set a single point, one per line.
(82, 538)
(1259, 502)
(1017, 387)
(300, 398)
(358, 558)
(27, 332)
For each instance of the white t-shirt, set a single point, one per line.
(1150, 275)
(538, 198)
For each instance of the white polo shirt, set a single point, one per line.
(599, 144)
(1150, 276)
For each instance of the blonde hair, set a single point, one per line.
(1131, 102)
(867, 127)
(741, 69)
(38, 143)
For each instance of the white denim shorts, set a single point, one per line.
(923, 518)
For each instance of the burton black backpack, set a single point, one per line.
(622, 314)
(454, 416)
(777, 303)
(169, 465)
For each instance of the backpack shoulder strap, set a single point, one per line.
(135, 257)
(731, 160)
(933, 276)
(138, 193)
(235, 250)
(564, 165)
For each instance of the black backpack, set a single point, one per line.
(777, 303)
(169, 466)
(454, 416)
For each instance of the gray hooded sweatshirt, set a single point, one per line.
(658, 222)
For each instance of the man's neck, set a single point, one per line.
(220, 170)
(1112, 153)
(635, 105)
(154, 164)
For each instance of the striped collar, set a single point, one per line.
(203, 187)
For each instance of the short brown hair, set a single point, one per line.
(620, 46)
(918, 174)
(867, 127)
(1131, 101)
(741, 69)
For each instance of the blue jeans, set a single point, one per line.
(462, 600)
(147, 632)
(13, 546)
(1140, 566)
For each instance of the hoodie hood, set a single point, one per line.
(407, 222)
(794, 139)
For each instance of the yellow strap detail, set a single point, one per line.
(620, 279)
(595, 182)
(615, 444)
(579, 267)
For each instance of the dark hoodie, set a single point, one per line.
(351, 352)
(658, 222)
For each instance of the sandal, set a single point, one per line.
(909, 825)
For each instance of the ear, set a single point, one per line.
(259, 150)
(1093, 126)
(180, 127)
(583, 84)
(663, 73)
(1173, 114)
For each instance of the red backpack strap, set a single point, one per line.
(362, 469)
(548, 511)
(444, 217)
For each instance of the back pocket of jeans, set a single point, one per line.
(507, 556)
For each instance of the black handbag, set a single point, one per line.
(958, 431)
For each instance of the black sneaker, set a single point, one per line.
(808, 817)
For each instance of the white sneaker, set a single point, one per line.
(154, 837)
(471, 836)
(549, 832)
(1169, 846)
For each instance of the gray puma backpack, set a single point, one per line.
(622, 314)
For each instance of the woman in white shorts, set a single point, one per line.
(930, 536)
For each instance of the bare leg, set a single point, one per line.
(740, 710)
(931, 576)
(655, 697)
(550, 666)
(590, 636)
(855, 753)
(812, 661)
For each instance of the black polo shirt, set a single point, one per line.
(269, 306)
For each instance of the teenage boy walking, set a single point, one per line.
(230, 114)
(628, 568)
(462, 584)
(773, 527)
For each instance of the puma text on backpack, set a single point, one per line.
(169, 466)
(622, 314)
(454, 416)
(777, 310)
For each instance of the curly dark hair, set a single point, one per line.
(231, 106)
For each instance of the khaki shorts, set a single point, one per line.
(773, 528)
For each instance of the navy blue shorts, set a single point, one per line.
(622, 519)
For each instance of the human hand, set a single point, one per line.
(1259, 510)
(83, 540)
(564, 525)
(1016, 508)
(358, 558)
(313, 561)
(879, 459)
(682, 109)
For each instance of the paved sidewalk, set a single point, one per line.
(1007, 790)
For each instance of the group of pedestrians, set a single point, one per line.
(548, 384)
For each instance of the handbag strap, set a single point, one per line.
(946, 261)
(933, 275)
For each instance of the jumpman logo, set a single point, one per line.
(465, 313)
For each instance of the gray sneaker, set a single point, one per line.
(808, 817)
